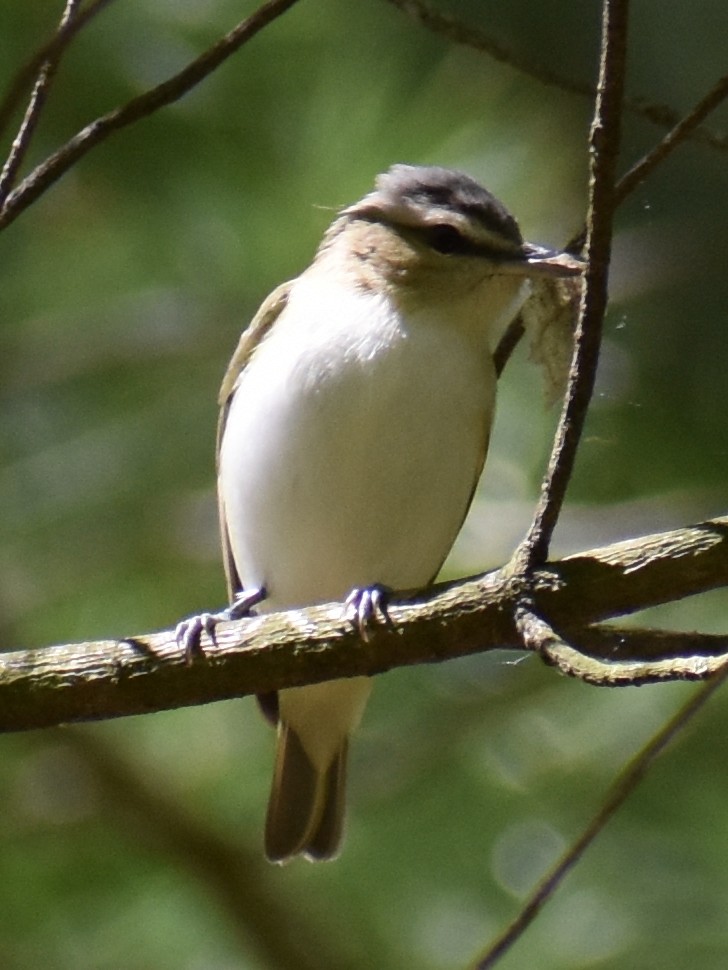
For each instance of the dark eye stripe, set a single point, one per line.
(446, 239)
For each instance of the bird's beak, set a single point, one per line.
(551, 262)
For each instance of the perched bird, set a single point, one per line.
(355, 417)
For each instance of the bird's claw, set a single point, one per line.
(188, 632)
(366, 606)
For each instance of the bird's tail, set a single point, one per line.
(306, 806)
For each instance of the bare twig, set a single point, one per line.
(604, 145)
(627, 184)
(538, 632)
(470, 36)
(682, 130)
(620, 791)
(49, 51)
(508, 343)
(21, 142)
(609, 656)
(42, 177)
(278, 930)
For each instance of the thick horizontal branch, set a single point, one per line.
(104, 679)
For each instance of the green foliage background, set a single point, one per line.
(122, 294)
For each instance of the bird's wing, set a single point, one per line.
(478, 472)
(251, 338)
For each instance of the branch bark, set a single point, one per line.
(50, 50)
(38, 98)
(604, 143)
(141, 674)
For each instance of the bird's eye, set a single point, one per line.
(446, 239)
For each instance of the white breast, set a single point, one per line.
(352, 446)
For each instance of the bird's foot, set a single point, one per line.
(366, 606)
(189, 631)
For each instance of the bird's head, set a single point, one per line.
(438, 231)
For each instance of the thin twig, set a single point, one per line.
(604, 146)
(470, 36)
(280, 931)
(41, 178)
(507, 344)
(627, 184)
(620, 791)
(38, 98)
(52, 48)
(682, 130)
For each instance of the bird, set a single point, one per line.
(354, 423)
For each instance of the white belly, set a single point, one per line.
(351, 448)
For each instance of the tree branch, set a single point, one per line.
(51, 50)
(682, 130)
(104, 679)
(617, 795)
(627, 184)
(49, 171)
(604, 142)
(477, 39)
(38, 98)
(265, 919)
